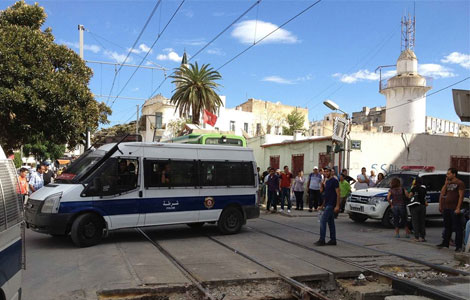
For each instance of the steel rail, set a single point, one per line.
(403, 285)
(304, 289)
(187, 273)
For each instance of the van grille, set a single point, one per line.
(9, 199)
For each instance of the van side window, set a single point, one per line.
(170, 173)
(227, 173)
(434, 183)
(115, 176)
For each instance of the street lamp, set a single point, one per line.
(340, 129)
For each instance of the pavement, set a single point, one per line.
(56, 269)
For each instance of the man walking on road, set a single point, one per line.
(314, 183)
(330, 206)
(286, 182)
(450, 202)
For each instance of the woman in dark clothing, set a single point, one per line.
(396, 199)
(418, 209)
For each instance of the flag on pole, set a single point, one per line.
(209, 118)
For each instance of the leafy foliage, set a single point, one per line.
(116, 130)
(43, 86)
(195, 91)
(17, 160)
(296, 122)
(43, 149)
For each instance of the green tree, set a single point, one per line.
(296, 121)
(43, 86)
(116, 130)
(43, 149)
(195, 91)
(17, 160)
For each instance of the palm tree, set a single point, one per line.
(195, 90)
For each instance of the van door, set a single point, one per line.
(171, 194)
(434, 184)
(116, 189)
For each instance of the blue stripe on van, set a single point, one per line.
(153, 205)
(10, 262)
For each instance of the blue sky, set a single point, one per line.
(329, 52)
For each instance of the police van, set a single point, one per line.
(372, 202)
(135, 184)
(11, 231)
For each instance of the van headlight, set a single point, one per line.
(376, 200)
(51, 204)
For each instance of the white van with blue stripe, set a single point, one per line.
(11, 242)
(135, 184)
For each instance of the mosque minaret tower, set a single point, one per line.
(406, 91)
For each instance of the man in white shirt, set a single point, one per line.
(362, 180)
(372, 179)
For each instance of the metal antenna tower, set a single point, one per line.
(408, 32)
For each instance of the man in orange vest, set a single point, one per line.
(23, 188)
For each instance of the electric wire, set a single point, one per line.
(150, 49)
(132, 48)
(267, 35)
(210, 42)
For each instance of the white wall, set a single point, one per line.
(386, 152)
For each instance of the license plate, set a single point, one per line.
(357, 208)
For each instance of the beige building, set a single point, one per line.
(269, 117)
(324, 127)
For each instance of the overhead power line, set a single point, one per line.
(133, 46)
(267, 35)
(148, 52)
(210, 42)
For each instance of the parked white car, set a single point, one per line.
(372, 202)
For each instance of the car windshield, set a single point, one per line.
(405, 179)
(79, 167)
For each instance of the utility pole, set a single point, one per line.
(81, 28)
(137, 121)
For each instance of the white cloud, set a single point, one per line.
(142, 48)
(244, 32)
(360, 75)
(88, 47)
(188, 13)
(458, 58)
(280, 80)
(135, 89)
(170, 55)
(192, 42)
(216, 51)
(117, 57)
(435, 71)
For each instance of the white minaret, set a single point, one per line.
(406, 91)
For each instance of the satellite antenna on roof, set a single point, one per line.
(408, 29)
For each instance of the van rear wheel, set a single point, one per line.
(230, 221)
(87, 230)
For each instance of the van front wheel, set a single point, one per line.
(87, 230)
(230, 221)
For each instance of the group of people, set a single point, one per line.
(364, 181)
(29, 182)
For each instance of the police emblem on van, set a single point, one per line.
(209, 202)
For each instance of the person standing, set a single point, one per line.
(48, 175)
(331, 206)
(348, 178)
(286, 182)
(299, 190)
(418, 209)
(345, 190)
(380, 177)
(372, 179)
(362, 180)
(23, 188)
(396, 199)
(314, 183)
(450, 202)
(36, 181)
(273, 189)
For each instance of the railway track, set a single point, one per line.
(403, 285)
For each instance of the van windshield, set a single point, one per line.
(79, 167)
(405, 179)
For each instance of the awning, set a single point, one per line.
(63, 161)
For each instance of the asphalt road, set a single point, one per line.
(56, 269)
